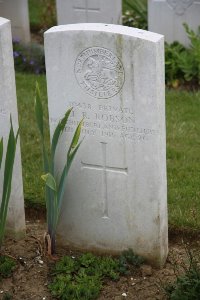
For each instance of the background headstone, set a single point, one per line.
(89, 11)
(113, 76)
(8, 106)
(167, 17)
(17, 12)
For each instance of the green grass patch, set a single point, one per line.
(183, 150)
(30, 140)
(7, 266)
(36, 7)
(183, 158)
(42, 14)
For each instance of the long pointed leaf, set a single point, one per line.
(72, 155)
(8, 171)
(39, 110)
(1, 151)
(52, 203)
(45, 158)
(58, 131)
(49, 200)
(65, 171)
(50, 181)
(9, 158)
(40, 123)
(75, 137)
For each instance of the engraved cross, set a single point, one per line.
(86, 8)
(103, 167)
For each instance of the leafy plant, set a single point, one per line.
(28, 58)
(7, 296)
(7, 266)
(187, 286)
(135, 14)
(54, 187)
(173, 72)
(82, 277)
(131, 258)
(7, 181)
(183, 64)
(190, 61)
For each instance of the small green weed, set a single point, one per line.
(7, 266)
(131, 258)
(7, 296)
(187, 286)
(83, 277)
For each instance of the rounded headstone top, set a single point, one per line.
(4, 21)
(108, 28)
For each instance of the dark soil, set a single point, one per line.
(31, 277)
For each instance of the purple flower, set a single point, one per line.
(31, 62)
(15, 54)
(24, 59)
(16, 41)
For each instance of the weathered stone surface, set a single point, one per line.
(113, 76)
(17, 12)
(8, 106)
(167, 17)
(89, 11)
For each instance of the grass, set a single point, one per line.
(42, 14)
(29, 135)
(36, 8)
(183, 158)
(183, 155)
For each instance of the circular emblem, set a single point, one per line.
(99, 72)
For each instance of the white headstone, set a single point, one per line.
(17, 12)
(89, 11)
(113, 76)
(167, 17)
(8, 106)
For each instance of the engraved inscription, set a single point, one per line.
(105, 169)
(180, 6)
(107, 121)
(99, 72)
